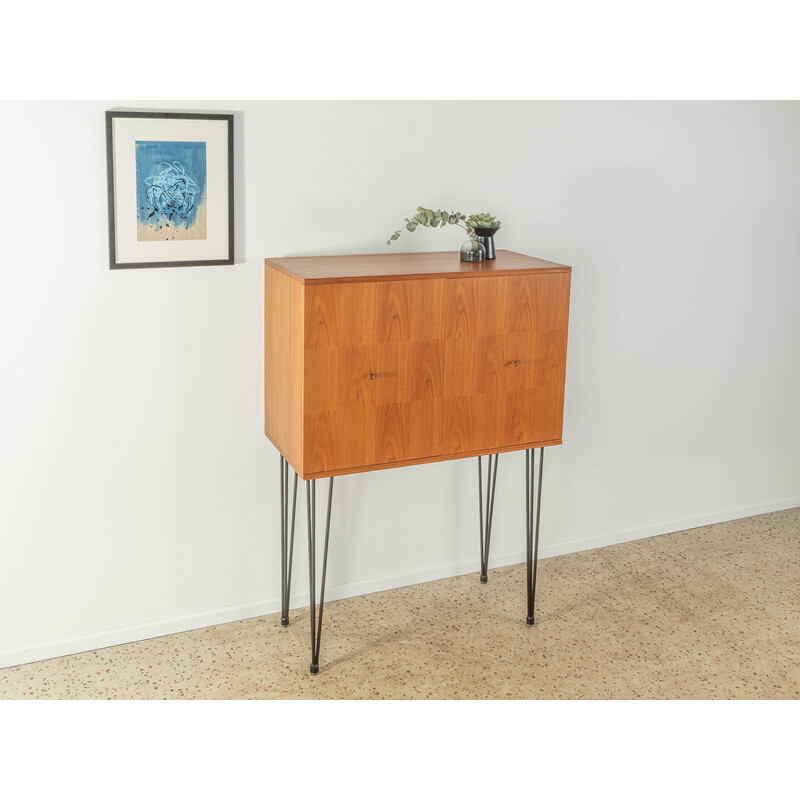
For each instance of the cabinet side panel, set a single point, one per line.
(283, 328)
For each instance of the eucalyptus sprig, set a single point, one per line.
(429, 218)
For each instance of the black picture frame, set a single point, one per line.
(126, 250)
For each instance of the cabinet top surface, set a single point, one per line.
(398, 266)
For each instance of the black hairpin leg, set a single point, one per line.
(316, 623)
(287, 539)
(486, 522)
(530, 527)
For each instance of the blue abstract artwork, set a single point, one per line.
(171, 190)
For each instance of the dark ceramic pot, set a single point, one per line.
(486, 238)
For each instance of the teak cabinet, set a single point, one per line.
(382, 361)
(387, 360)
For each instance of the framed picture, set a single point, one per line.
(170, 189)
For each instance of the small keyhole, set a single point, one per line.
(515, 363)
(372, 376)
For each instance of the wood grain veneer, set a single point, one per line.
(407, 359)
(399, 266)
(283, 363)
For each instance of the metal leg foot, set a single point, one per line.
(486, 521)
(287, 539)
(531, 527)
(316, 622)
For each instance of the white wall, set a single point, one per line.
(138, 495)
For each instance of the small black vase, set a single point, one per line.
(486, 237)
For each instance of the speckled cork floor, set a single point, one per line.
(712, 612)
